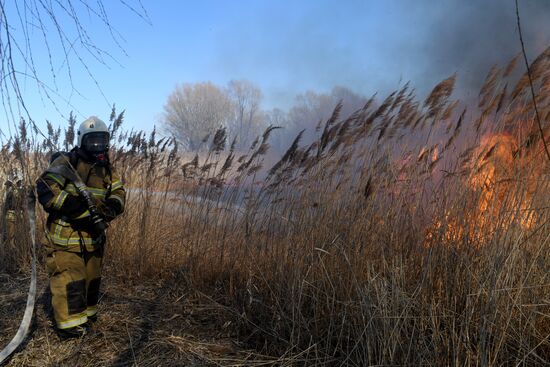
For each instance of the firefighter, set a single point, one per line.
(12, 210)
(75, 232)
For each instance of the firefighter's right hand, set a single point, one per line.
(73, 207)
(99, 226)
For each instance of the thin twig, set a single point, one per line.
(537, 116)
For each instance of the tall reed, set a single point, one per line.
(409, 233)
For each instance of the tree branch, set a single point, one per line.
(537, 115)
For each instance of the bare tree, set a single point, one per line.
(248, 120)
(194, 111)
(311, 109)
(278, 117)
(47, 43)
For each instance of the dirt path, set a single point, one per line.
(139, 325)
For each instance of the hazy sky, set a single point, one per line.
(288, 47)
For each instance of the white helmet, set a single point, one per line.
(93, 135)
(15, 177)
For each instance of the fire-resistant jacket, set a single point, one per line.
(13, 202)
(68, 224)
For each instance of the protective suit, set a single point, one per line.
(75, 250)
(12, 210)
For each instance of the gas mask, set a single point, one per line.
(96, 146)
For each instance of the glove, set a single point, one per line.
(111, 208)
(73, 207)
(84, 224)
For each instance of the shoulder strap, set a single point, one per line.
(73, 158)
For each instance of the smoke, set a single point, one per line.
(374, 46)
(468, 37)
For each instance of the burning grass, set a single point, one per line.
(407, 234)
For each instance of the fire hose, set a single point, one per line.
(100, 225)
(31, 296)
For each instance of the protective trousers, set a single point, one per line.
(11, 225)
(74, 283)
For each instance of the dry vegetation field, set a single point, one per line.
(409, 233)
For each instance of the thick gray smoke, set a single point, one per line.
(376, 45)
(468, 37)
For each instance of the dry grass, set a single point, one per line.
(402, 236)
(184, 329)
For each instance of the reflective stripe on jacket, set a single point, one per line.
(102, 182)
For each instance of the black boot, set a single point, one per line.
(91, 321)
(71, 333)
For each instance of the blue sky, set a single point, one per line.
(285, 47)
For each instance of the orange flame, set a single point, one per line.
(494, 176)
